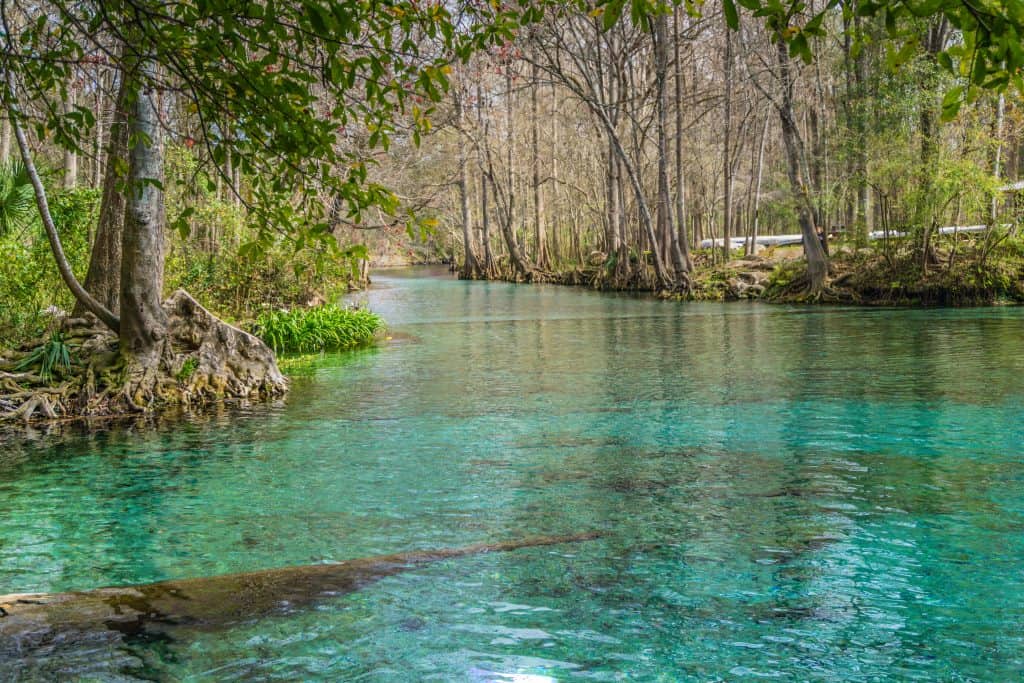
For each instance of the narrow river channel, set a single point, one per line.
(781, 492)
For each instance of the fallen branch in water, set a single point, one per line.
(30, 621)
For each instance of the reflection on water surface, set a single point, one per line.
(804, 493)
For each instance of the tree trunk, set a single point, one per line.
(470, 267)
(666, 228)
(5, 138)
(817, 261)
(143, 321)
(485, 221)
(555, 257)
(506, 202)
(752, 245)
(97, 144)
(538, 206)
(997, 155)
(727, 153)
(103, 279)
(70, 157)
(682, 246)
(925, 213)
(485, 215)
(854, 106)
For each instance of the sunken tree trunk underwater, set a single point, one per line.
(36, 621)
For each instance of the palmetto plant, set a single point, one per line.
(17, 202)
(52, 354)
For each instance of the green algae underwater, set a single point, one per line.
(804, 493)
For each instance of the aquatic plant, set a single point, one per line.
(323, 328)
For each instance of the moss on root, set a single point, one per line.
(203, 360)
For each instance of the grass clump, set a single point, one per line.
(311, 330)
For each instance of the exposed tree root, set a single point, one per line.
(203, 360)
(29, 622)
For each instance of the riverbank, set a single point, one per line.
(967, 272)
(77, 371)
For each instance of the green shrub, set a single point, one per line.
(238, 283)
(323, 328)
(783, 275)
(29, 280)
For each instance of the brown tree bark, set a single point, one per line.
(143, 321)
(682, 238)
(470, 267)
(666, 228)
(103, 279)
(539, 232)
(817, 260)
(727, 152)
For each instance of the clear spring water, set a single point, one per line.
(784, 492)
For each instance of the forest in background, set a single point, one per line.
(617, 156)
(254, 153)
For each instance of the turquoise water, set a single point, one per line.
(790, 493)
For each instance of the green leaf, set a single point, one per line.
(798, 47)
(951, 102)
(732, 18)
(612, 12)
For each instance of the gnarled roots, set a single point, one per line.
(201, 360)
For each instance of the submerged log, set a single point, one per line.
(33, 621)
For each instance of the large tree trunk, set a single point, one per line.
(817, 261)
(143, 321)
(103, 279)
